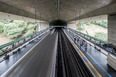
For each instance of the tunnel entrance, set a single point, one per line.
(58, 23)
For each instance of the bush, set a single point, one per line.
(81, 26)
(29, 32)
(30, 27)
(1, 27)
(5, 21)
(13, 30)
(102, 23)
(21, 23)
(101, 36)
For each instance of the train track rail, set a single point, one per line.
(69, 63)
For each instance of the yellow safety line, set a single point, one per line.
(86, 59)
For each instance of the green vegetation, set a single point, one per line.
(101, 36)
(5, 21)
(102, 23)
(1, 27)
(30, 29)
(97, 29)
(12, 30)
(16, 29)
(80, 26)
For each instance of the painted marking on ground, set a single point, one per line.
(3, 75)
(99, 64)
(84, 56)
(85, 60)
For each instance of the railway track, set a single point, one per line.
(69, 63)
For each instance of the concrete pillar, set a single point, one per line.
(112, 29)
(38, 26)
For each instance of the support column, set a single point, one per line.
(112, 29)
(38, 26)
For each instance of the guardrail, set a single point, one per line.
(95, 40)
(98, 44)
(4, 49)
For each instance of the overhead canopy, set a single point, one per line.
(50, 10)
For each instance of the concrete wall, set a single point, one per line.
(95, 18)
(72, 26)
(112, 29)
(43, 26)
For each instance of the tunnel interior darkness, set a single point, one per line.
(58, 23)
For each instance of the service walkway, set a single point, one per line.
(38, 59)
(98, 60)
(38, 62)
(6, 64)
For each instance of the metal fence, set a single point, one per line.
(95, 40)
(14, 44)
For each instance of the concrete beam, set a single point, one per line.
(10, 9)
(95, 18)
(16, 11)
(112, 29)
(17, 17)
(107, 10)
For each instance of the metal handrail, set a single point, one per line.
(4, 47)
(87, 36)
